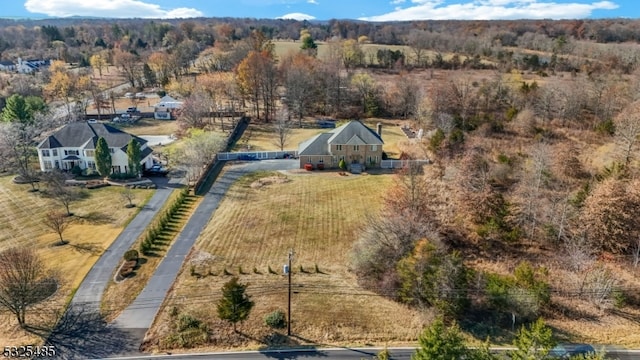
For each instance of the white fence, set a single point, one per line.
(397, 164)
(258, 155)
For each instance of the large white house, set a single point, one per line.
(75, 144)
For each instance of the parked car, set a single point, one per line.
(128, 95)
(156, 170)
(140, 96)
(247, 157)
(132, 109)
(568, 351)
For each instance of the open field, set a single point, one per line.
(317, 215)
(102, 212)
(259, 136)
(284, 48)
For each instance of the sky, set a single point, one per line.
(370, 10)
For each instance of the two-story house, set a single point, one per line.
(353, 142)
(75, 145)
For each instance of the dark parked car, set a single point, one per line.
(247, 157)
(566, 351)
(156, 170)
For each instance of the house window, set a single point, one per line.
(90, 153)
(374, 147)
(356, 147)
(112, 150)
(45, 153)
(54, 152)
(47, 165)
(71, 152)
(91, 165)
(339, 147)
(115, 169)
(57, 164)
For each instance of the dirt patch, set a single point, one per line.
(263, 182)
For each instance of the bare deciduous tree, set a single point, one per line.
(194, 111)
(628, 130)
(58, 191)
(17, 150)
(23, 282)
(198, 150)
(598, 285)
(128, 195)
(282, 129)
(58, 222)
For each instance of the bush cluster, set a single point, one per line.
(276, 319)
(128, 267)
(155, 230)
(131, 255)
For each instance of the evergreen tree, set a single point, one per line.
(235, 305)
(149, 76)
(103, 157)
(134, 155)
(534, 342)
(438, 342)
(16, 110)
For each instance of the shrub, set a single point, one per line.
(342, 164)
(275, 319)
(131, 255)
(76, 170)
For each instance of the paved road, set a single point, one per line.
(142, 311)
(333, 353)
(89, 293)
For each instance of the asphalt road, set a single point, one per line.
(330, 353)
(89, 293)
(142, 311)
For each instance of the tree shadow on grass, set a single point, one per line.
(96, 218)
(88, 248)
(82, 333)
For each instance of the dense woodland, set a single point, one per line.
(533, 128)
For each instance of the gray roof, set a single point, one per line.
(317, 145)
(346, 132)
(351, 133)
(86, 135)
(7, 63)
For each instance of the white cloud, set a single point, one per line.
(107, 8)
(396, 2)
(493, 10)
(296, 16)
(314, 2)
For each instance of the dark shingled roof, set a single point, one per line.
(84, 134)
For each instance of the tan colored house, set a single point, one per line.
(354, 142)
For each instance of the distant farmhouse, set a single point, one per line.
(75, 144)
(355, 143)
(167, 108)
(7, 65)
(24, 66)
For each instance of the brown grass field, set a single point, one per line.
(102, 212)
(318, 215)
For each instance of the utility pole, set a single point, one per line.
(289, 299)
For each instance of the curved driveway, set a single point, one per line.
(140, 314)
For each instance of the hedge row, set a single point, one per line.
(154, 231)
